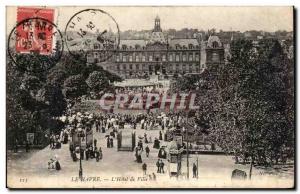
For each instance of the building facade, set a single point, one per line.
(161, 55)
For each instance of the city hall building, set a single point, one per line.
(161, 55)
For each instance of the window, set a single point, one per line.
(130, 58)
(191, 57)
(177, 57)
(137, 58)
(124, 58)
(197, 56)
(117, 58)
(130, 66)
(124, 66)
(163, 57)
(118, 67)
(184, 57)
(137, 66)
(171, 57)
(191, 68)
(143, 58)
(150, 58)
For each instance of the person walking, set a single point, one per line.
(100, 153)
(160, 135)
(153, 176)
(158, 166)
(95, 142)
(162, 164)
(194, 170)
(144, 166)
(87, 154)
(147, 149)
(97, 155)
(111, 141)
(140, 145)
(108, 142)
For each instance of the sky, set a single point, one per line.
(266, 18)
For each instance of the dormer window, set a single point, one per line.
(124, 47)
(191, 46)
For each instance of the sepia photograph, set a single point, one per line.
(150, 97)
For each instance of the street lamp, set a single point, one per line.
(187, 152)
(80, 164)
(197, 166)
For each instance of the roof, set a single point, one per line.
(134, 83)
(183, 42)
(133, 43)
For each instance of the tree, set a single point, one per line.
(38, 91)
(74, 87)
(56, 77)
(252, 119)
(97, 81)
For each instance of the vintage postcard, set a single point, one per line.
(143, 97)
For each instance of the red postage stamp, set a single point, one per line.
(35, 33)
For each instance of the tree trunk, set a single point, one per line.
(251, 165)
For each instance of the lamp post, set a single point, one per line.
(80, 164)
(187, 153)
(197, 166)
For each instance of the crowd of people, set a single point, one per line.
(81, 146)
